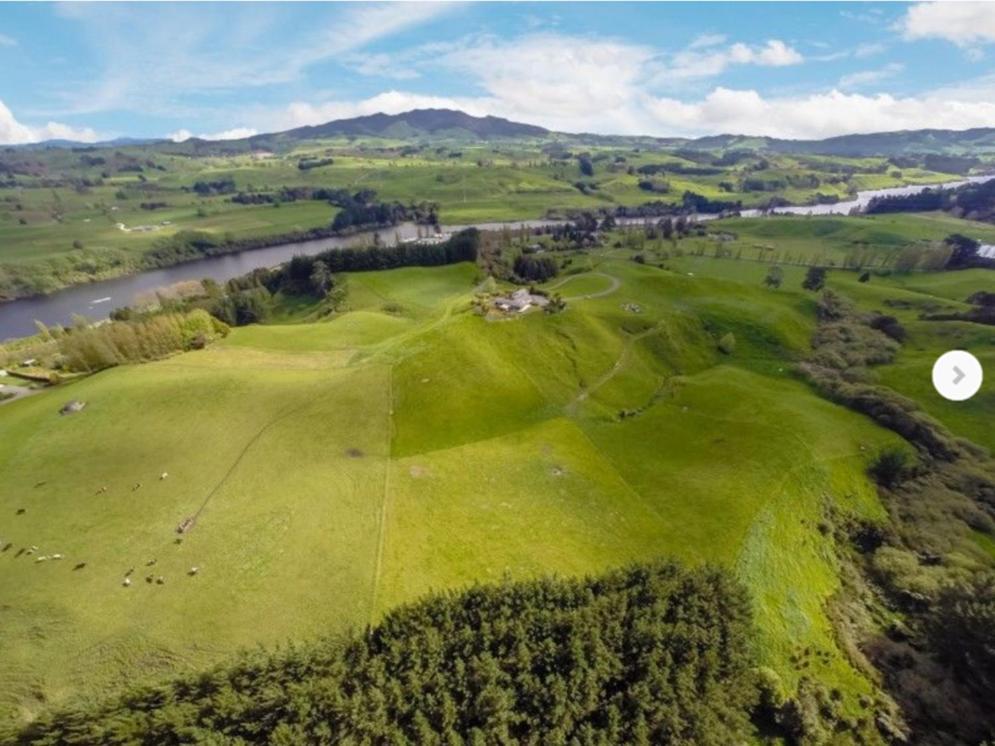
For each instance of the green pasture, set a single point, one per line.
(407, 444)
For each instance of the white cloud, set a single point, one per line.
(815, 115)
(963, 23)
(13, 132)
(864, 78)
(694, 63)
(7, 41)
(236, 133)
(565, 79)
(581, 84)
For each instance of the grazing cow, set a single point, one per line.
(160, 580)
(102, 490)
(149, 578)
(137, 485)
(20, 511)
(151, 562)
(80, 566)
(130, 571)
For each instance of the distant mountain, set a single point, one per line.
(417, 122)
(117, 142)
(950, 142)
(448, 124)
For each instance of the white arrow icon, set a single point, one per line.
(957, 375)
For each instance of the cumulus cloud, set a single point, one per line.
(236, 133)
(963, 23)
(815, 115)
(693, 62)
(13, 132)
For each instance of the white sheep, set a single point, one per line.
(163, 476)
(127, 582)
(41, 559)
(56, 556)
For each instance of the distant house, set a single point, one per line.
(519, 301)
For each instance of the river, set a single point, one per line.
(96, 300)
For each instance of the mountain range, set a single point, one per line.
(448, 124)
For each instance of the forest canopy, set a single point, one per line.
(649, 654)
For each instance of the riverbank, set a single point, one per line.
(96, 300)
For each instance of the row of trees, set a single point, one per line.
(249, 299)
(975, 201)
(86, 348)
(650, 654)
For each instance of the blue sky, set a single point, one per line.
(95, 71)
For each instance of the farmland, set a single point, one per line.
(328, 472)
(74, 215)
(392, 434)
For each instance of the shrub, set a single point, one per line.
(890, 466)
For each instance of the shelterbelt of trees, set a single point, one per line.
(971, 201)
(650, 654)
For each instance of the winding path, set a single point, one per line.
(615, 285)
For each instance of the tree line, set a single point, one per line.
(248, 299)
(653, 653)
(923, 566)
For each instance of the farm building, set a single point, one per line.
(521, 300)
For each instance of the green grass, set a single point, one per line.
(408, 444)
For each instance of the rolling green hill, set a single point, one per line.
(338, 469)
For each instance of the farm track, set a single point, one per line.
(238, 459)
(615, 285)
(619, 365)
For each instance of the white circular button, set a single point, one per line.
(957, 375)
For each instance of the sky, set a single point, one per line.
(95, 71)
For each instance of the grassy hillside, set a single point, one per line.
(338, 469)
